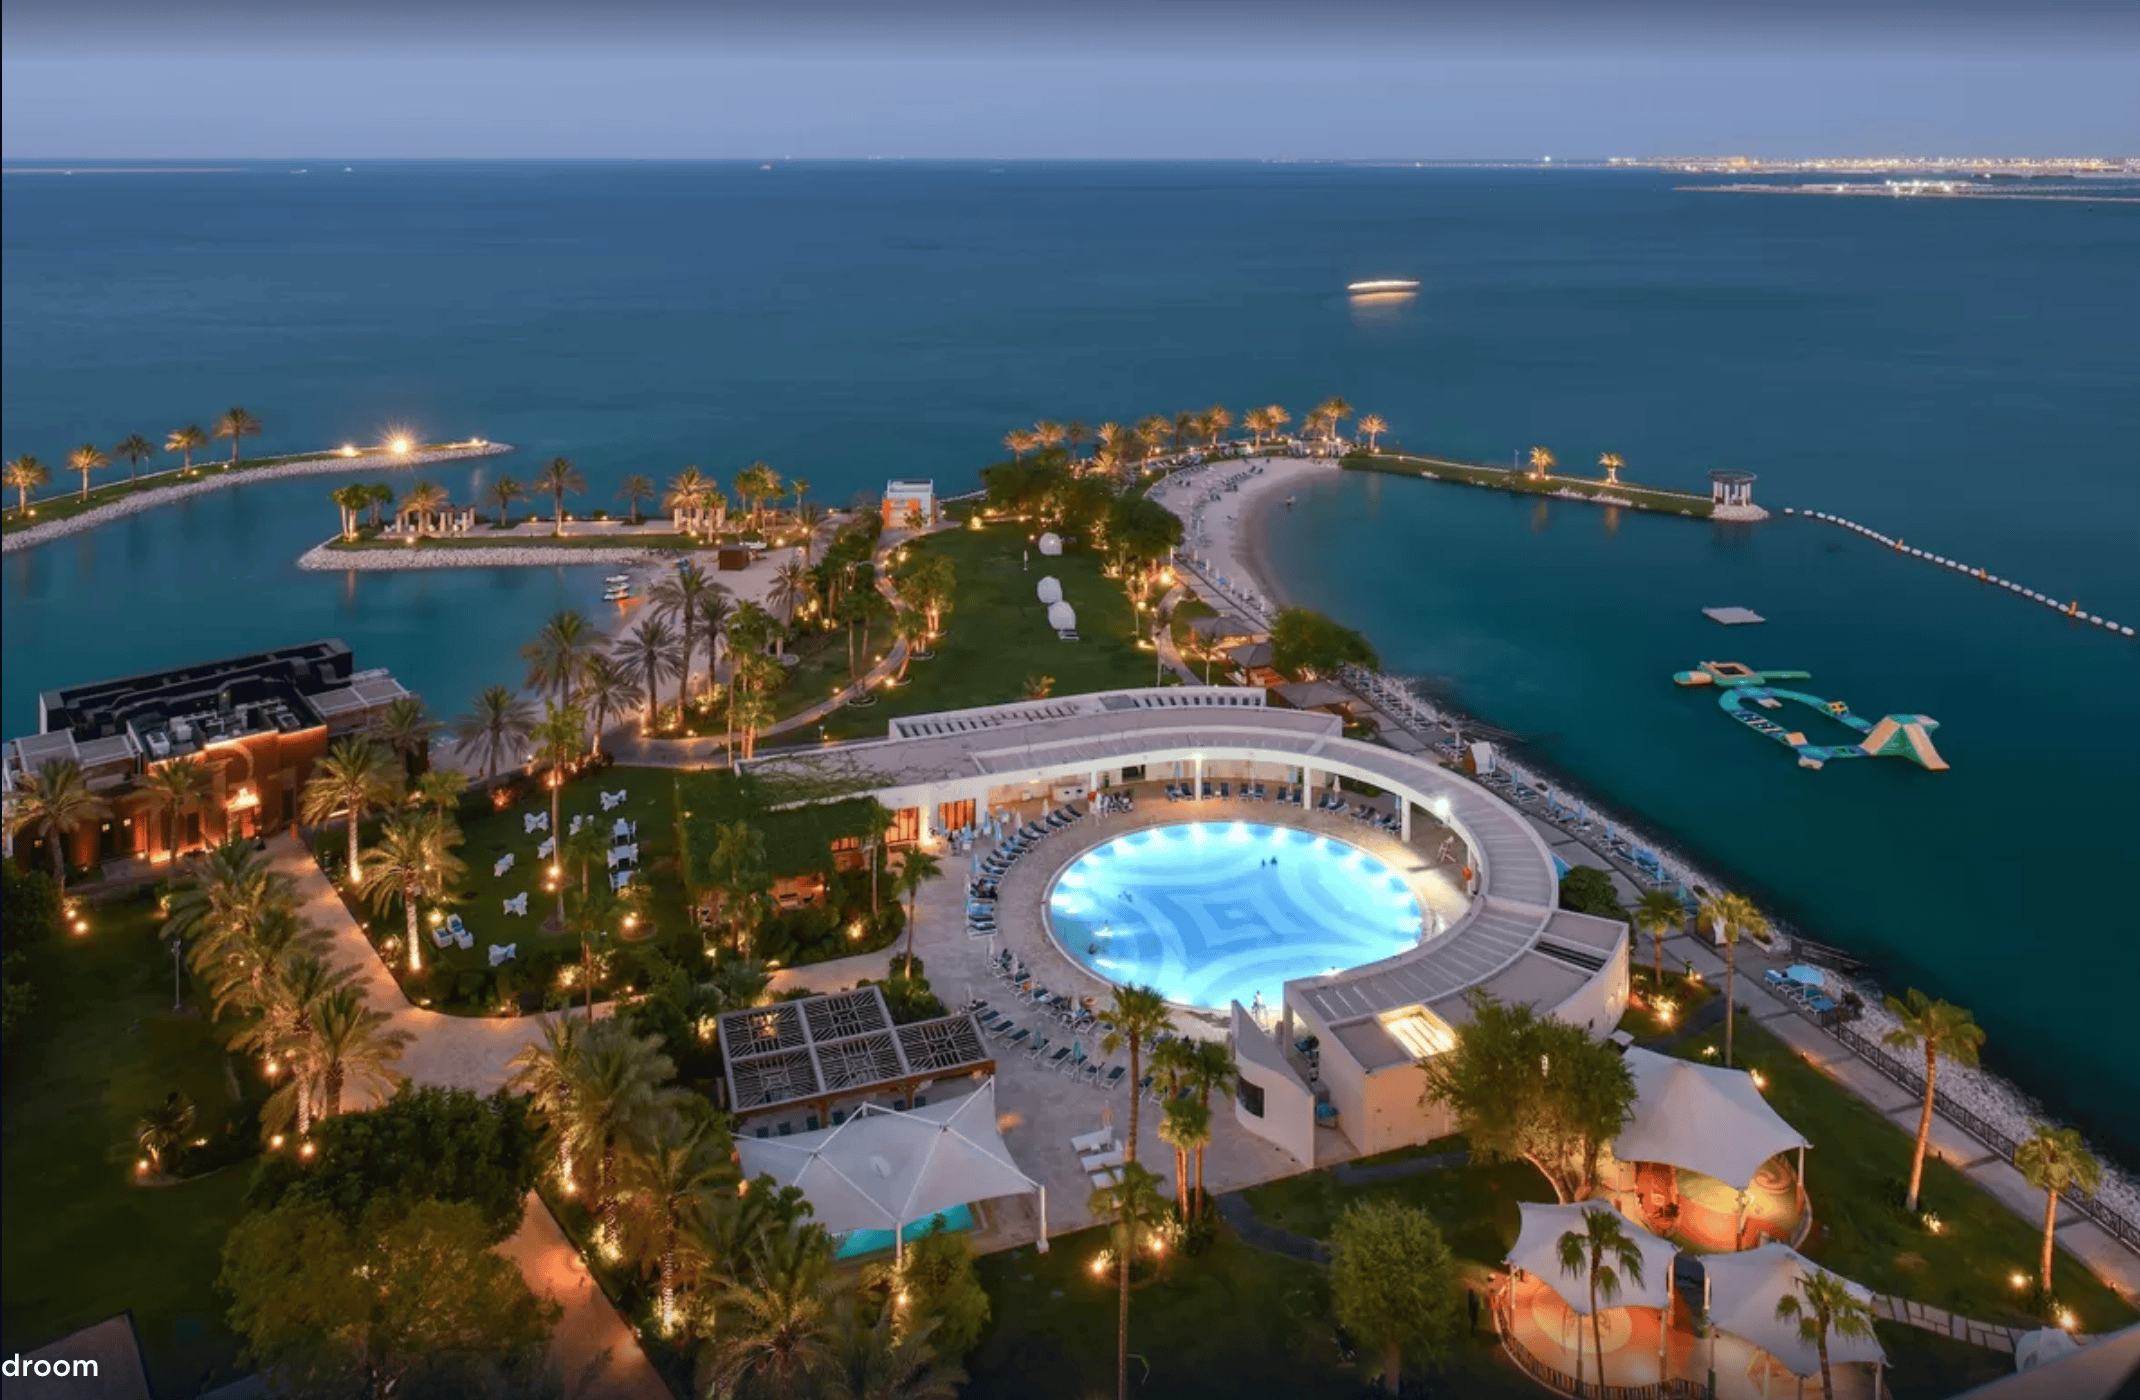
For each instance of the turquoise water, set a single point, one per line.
(1958, 374)
(1218, 912)
(856, 1243)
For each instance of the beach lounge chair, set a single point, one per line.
(1106, 1179)
(1109, 1157)
(1098, 1140)
(1055, 1060)
(1019, 1039)
(1003, 1029)
(1038, 1048)
(1089, 1072)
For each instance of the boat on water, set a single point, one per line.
(1381, 284)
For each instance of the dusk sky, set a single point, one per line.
(1432, 79)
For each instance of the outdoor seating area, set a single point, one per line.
(987, 871)
(819, 1058)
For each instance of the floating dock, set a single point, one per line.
(1733, 617)
(1740, 686)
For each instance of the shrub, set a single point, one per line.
(1588, 890)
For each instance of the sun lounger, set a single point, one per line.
(1062, 1053)
(1114, 1076)
(1089, 1071)
(1039, 1047)
(618, 881)
(1105, 1180)
(1098, 1140)
(1019, 1039)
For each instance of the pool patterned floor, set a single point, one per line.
(1216, 912)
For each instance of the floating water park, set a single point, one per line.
(1740, 686)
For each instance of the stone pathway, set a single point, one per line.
(1365, 1174)
(1236, 1211)
(595, 1354)
(1946, 1324)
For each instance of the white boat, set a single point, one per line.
(1381, 284)
(615, 579)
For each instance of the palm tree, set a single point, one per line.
(1186, 1127)
(1210, 1069)
(607, 692)
(1048, 433)
(236, 958)
(1275, 417)
(892, 1358)
(54, 801)
(1372, 428)
(688, 595)
(232, 888)
(557, 739)
(1823, 1307)
(173, 789)
(809, 517)
(1611, 463)
(757, 484)
(2055, 1161)
(654, 649)
(1075, 434)
(1184, 423)
(1941, 1028)
(911, 628)
(1138, 1014)
(356, 777)
(1731, 915)
(791, 589)
(86, 459)
(798, 488)
(412, 861)
(426, 500)
(497, 727)
(406, 730)
(1332, 412)
(635, 489)
(505, 490)
(555, 656)
(686, 497)
(349, 500)
(916, 868)
(135, 449)
(776, 1323)
(1216, 421)
(546, 1071)
(1658, 913)
(557, 478)
(617, 1102)
(237, 425)
(670, 1184)
(24, 475)
(378, 495)
(297, 985)
(350, 1041)
(1602, 1251)
(1018, 442)
(1135, 1201)
(1256, 421)
(440, 789)
(163, 1128)
(754, 711)
(186, 441)
(1542, 462)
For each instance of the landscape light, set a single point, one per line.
(399, 446)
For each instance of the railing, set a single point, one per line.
(1670, 1388)
(2120, 1228)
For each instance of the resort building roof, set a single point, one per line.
(1704, 1118)
(1314, 695)
(1226, 627)
(818, 1049)
(1743, 1291)
(1537, 1251)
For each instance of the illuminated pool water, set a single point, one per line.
(857, 1243)
(1212, 912)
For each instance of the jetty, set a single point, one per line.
(1730, 498)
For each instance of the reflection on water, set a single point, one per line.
(1380, 306)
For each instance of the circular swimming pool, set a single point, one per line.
(1213, 912)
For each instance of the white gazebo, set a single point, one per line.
(884, 1169)
(1537, 1252)
(1743, 1291)
(1706, 1119)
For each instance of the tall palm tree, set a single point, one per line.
(791, 589)
(496, 727)
(349, 1041)
(1048, 433)
(134, 449)
(237, 425)
(546, 1070)
(670, 1182)
(412, 861)
(809, 516)
(911, 628)
(798, 488)
(406, 731)
(757, 484)
(54, 801)
(657, 654)
(1138, 1014)
(607, 691)
(378, 495)
(1183, 424)
(776, 1322)
(350, 499)
(298, 984)
(2055, 1161)
(635, 489)
(1185, 1126)
(1612, 463)
(1940, 1028)
(1658, 913)
(617, 1102)
(1542, 463)
(685, 594)
(558, 478)
(86, 459)
(430, 501)
(233, 886)
(1138, 1203)
(1731, 915)
(357, 777)
(236, 958)
(1256, 421)
(1602, 1253)
(557, 742)
(1216, 421)
(1824, 1307)
(1018, 442)
(754, 711)
(559, 649)
(1275, 417)
(1075, 434)
(685, 500)
(174, 788)
(440, 789)
(1332, 413)
(1210, 1069)
(24, 475)
(1372, 427)
(504, 491)
(891, 1358)
(185, 442)
(916, 868)
(164, 1127)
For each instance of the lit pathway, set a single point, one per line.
(1164, 637)
(594, 1352)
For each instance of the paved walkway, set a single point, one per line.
(1946, 1324)
(1366, 1173)
(1236, 1211)
(596, 1355)
(1169, 653)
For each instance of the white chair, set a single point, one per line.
(441, 936)
(619, 880)
(578, 821)
(624, 830)
(505, 863)
(518, 904)
(1098, 1140)
(548, 846)
(503, 952)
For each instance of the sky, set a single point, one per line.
(1065, 79)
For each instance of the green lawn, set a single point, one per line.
(368, 539)
(1234, 1322)
(101, 1047)
(1856, 1157)
(62, 503)
(997, 636)
(1503, 479)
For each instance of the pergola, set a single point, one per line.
(883, 1169)
(1537, 1252)
(1743, 1291)
(820, 1049)
(1706, 1119)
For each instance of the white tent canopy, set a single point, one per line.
(1537, 1252)
(883, 1170)
(1051, 543)
(1061, 616)
(1743, 1290)
(1051, 589)
(1702, 1117)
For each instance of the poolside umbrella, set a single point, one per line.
(1807, 976)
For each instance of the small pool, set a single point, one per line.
(860, 1242)
(1214, 912)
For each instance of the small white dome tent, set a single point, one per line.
(1062, 617)
(1051, 589)
(1051, 543)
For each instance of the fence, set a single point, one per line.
(2122, 1229)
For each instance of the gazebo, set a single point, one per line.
(885, 1169)
(1537, 1253)
(1714, 1123)
(1743, 1291)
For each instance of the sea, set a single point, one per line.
(1964, 374)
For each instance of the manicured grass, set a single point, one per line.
(367, 540)
(1856, 1158)
(996, 635)
(1687, 999)
(63, 504)
(1503, 479)
(101, 1047)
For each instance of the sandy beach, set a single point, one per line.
(1223, 539)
